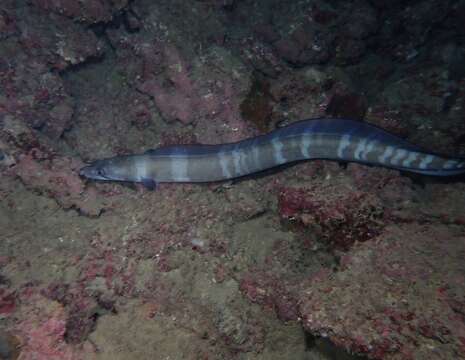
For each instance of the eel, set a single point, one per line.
(324, 138)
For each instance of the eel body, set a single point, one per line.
(330, 139)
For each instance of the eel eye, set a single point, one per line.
(101, 172)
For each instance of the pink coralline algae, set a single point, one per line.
(41, 331)
(81, 308)
(7, 302)
(58, 178)
(269, 291)
(340, 216)
(179, 96)
(32, 95)
(176, 97)
(396, 303)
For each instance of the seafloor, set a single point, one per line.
(317, 261)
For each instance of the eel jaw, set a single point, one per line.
(92, 171)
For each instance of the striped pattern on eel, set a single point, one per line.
(330, 139)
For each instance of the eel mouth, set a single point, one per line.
(92, 172)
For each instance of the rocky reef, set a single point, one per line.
(318, 260)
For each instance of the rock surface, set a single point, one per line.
(315, 261)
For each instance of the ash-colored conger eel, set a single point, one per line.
(330, 139)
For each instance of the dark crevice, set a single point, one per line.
(309, 341)
(327, 349)
(121, 18)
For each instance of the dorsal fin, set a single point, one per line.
(151, 152)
